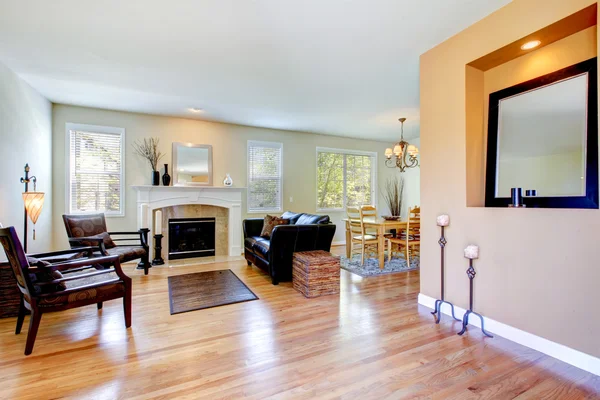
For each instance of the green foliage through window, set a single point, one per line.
(343, 180)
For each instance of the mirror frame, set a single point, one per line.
(175, 168)
(590, 200)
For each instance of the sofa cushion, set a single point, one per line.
(292, 216)
(249, 242)
(261, 248)
(270, 223)
(306, 219)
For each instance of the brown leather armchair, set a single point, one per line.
(74, 282)
(90, 230)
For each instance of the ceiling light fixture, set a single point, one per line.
(531, 45)
(195, 110)
(406, 154)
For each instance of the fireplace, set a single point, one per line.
(191, 237)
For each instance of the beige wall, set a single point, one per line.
(229, 156)
(538, 269)
(25, 137)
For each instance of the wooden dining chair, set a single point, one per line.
(408, 240)
(359, 235)
(368, 211)
(358, 239)
(414, 214)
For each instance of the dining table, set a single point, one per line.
(379, 225)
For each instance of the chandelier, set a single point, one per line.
(404, 155)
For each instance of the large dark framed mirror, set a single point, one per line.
(543, 137)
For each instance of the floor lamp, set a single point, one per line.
(33, 201)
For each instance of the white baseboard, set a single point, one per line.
(571, 356)
(338, 243)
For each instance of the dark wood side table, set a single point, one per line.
(9, 293)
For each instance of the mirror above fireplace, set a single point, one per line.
(192, 164)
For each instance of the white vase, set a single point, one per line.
(227, 181)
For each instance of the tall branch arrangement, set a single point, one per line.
(393, 192)
(148, 149)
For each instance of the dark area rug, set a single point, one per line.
(202, 290)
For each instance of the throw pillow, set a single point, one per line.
(36, 262)
(45, 276)
(270, 223)
(108, 242)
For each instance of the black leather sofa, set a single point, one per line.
(305, 232)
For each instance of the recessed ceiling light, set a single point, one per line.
(531, 45)
(195, 110)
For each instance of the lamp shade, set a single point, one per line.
(397, 150)
(388, 153)
(34, 201)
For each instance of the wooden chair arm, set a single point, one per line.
(75, 277)
(76, 241)
(77, 289)
(89, 249)
(84, 262)
(142, 236)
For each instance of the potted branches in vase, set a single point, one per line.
(393, 192)
(148, 149)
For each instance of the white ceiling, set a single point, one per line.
(339, 67)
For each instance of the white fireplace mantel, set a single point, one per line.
(150, 198)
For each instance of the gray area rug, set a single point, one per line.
(371, 267)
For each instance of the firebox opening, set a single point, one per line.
(191, 237)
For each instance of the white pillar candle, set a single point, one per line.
(443, 220)
(158, 223)
(472, 252)
(143, 217)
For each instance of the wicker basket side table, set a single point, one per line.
(316, 273)
(9, 293)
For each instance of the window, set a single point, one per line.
(264, 176)
(345, 178)
(95, 165)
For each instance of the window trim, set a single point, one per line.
(69, 126)
(260, 143)
(372, 154)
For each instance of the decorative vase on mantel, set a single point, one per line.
(166, 178)
(227, 181)
(155, 178)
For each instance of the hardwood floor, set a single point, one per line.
(371, 342)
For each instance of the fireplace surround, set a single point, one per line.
(153, 198)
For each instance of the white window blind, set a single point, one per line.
(95, 169)
(264, 176)
(345, 178)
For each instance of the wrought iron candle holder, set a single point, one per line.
(442, 221)
(158, 260)
(472, 252)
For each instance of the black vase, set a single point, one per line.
(166, 178)
(155, 178)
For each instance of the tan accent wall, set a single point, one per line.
(538, 269)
